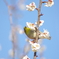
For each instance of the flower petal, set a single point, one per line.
(31, 7)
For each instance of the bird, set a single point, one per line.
(31, 33)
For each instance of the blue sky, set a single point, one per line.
(51, 23)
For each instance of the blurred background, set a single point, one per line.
(13, 15)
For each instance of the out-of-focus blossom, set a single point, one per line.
(35, 47)
(42, 48)
(49, 3)
(40, 41)
(45, 35)
(31, 6)
(19, 30)
(40, 22)
(11, 37)
(27, 39)
(11, 53)
(26, 57)
(31, 25)
(21, 6)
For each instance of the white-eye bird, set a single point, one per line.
(31, 33)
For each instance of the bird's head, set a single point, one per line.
(26, 29)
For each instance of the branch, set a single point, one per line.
(38, 21)
(5, 2)
(37, 32)
(13, 33)
(35, 55)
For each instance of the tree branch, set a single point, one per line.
(38, 22)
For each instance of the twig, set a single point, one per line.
(38, 21)
(13, 33)
(37, 32)
(5, 2)
(10, 14)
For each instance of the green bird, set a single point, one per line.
(31, 33)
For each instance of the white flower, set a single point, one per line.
(21, 31)
(42, 36)
(11, 37)
(22, 6)
(31, 6)
(11, 53)
(35, 47)
(31, 25)
(46, 32)
(26, 57)
(40, 22)
(45, 35)
(49, 3)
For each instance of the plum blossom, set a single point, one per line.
(31, 25)
(26, 57)
(21, 6)
(21, 31)
(40, 22)
(11, 53)
(45, 35)
(49, 3)
(31, 6)
(35, 47)
(46, 32)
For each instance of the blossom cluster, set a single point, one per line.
(34, 46)
(49, 3)
(32, 6)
